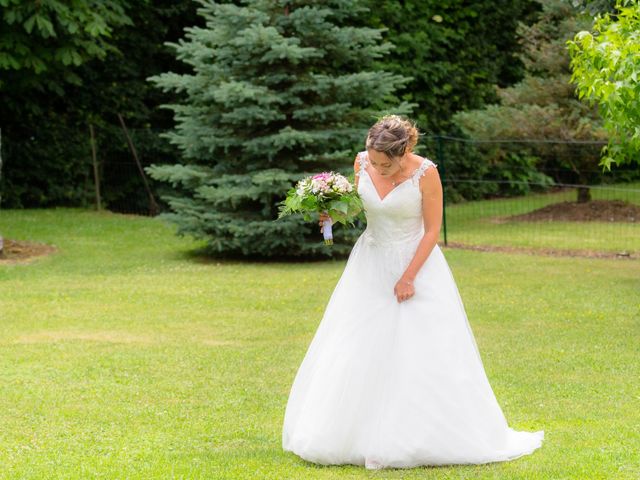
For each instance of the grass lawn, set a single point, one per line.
(124, 356)
(472, 223)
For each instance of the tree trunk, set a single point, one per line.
(584, 194)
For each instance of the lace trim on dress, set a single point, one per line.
(423, 168)
(420, 171)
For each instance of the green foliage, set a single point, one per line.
(61, 179)
(46, 136)
(46, 49)
(455, 56)
(453, 52)
(45, 116)
(40, 40)
(543, 106)
(606, 67)
(278, 90)
(476, 170)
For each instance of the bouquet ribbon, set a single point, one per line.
(327, 231)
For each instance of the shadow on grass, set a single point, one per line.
(204, 255)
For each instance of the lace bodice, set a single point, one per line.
(396, 218)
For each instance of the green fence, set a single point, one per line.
(499, 193)
(548, 195)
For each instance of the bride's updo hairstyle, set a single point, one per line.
(393, 135)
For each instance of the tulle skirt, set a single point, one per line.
(388, 384)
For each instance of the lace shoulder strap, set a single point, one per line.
(422, 169)
(362, 162)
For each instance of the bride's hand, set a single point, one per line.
(404, 290)
(323, 217)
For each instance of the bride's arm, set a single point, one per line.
(355, 171)
(431, 189)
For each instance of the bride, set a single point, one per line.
(393, 376)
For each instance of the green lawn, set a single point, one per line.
(471, 223)
(125, 356)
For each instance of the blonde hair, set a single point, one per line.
(393, 135)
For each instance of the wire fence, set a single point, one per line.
(546, 195)
(529, 194)
(123, 190)
(519, 193)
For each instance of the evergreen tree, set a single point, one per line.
(544, 105)
(279, 89)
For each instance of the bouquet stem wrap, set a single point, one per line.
(327, 231)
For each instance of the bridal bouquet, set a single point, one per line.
(326, 192)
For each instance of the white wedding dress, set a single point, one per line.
(388, 384)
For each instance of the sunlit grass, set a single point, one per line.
(125, 356)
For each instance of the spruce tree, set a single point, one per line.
(279, 89)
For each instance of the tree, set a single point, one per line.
(453, 51)
(543, 106)
(606, 67)
(279, 89)
(40, 41)
(42, 45)
(46, 136)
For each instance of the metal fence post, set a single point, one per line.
(440, 162)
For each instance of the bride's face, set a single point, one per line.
(384, 165)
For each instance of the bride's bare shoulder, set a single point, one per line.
(417, 161)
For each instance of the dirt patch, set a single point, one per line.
(550, 252)
(592, 211)
(16, 251)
